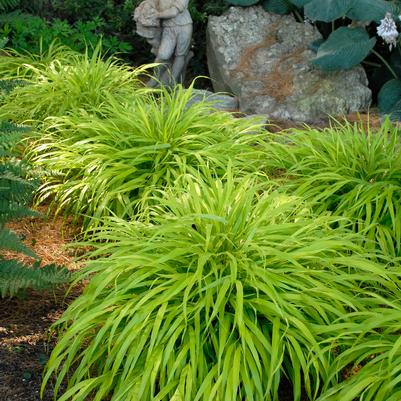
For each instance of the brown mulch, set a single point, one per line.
(48, 237)
(371, 120)
(24, 323)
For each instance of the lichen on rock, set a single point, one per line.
(264, 59)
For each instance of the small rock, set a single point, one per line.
(220, 101)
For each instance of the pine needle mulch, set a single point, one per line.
(24, 323)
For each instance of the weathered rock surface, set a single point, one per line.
(264, 59)
(220, 101)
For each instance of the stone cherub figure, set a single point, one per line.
(167, 26)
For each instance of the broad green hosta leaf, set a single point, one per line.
(344, 48)
(242, 2)
(314, 46)
(299, 3)
(327, 10)
(370, 10)
(389, 97)
(395, 114)
(281, 7)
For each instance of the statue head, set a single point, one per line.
(165, 4)
(147, 24)
(146, 13)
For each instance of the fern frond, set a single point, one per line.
(15, 276)
(13, 188)
(16, 192)
(8, 4)
(12, 210)
(6, 126)
(10, 240)
(8, 85)
(10, 135)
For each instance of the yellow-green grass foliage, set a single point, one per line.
(228, 295)
(61, 82)
(346, 170)
(114, 162)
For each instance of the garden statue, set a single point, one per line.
(167, 26)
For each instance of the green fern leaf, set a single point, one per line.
(9, 240)
(15, 277)
(12, 210)
(15, 194)
(8, 4)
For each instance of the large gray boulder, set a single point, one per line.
(264, 60)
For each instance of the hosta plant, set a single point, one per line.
(226, 297)
(346, 46)
(348, 172)
(110, 164)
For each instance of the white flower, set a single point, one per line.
(388, 30)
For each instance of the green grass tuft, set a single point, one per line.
(113, 163)
(226, 296)
(61, 82)
(346, 171)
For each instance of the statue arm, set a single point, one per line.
(168, 13)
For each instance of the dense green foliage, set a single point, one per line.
(61, 81)
(26, 32)
(349, 172)
(33, 26)
(16, 191)
(348, 40)
(229, 292)
(27, 66)
(7, 4)
(227, 263)
(373, 352)
(75, 24)
(114, 162)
